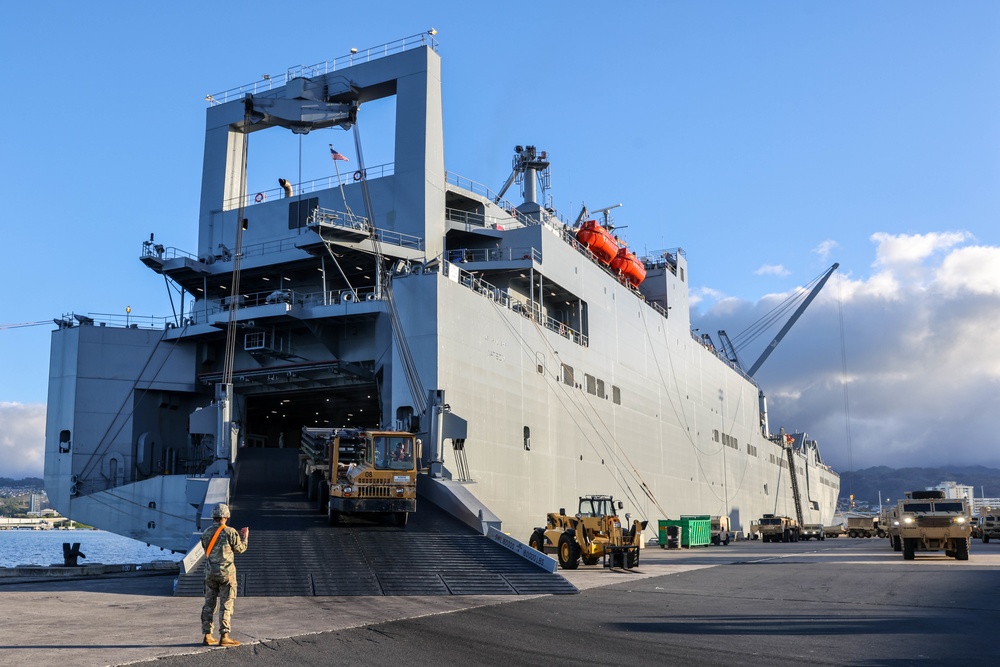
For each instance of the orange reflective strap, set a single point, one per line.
(212, 543)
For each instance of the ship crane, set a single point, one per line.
(729, 350)
(792, 320)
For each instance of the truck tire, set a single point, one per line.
(400, 519)
(332, 516)
(537, 541)
(323, 496)
(569, 552)
(312, 486)
(962, 549)
(985, 538)
(909, 548)
(896, 543)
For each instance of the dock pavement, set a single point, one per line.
(836, 602)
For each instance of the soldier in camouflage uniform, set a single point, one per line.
(220, 574)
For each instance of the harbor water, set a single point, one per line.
(44, 547)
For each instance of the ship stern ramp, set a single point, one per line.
(293, 552)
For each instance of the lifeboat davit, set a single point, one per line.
(628, 267)
(598, 240)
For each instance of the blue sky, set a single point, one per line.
(768, 139)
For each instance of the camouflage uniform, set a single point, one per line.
(220, 576)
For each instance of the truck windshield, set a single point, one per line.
(770, 522)
(393, 452)
(917, 507)
(949, 507)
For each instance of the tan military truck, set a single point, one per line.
(892, 528)
(929, 522)
(812, 530)
(989, 524)
(772, 528)
(360, 472)
(835, 530)
(721, 532)
(861, 526)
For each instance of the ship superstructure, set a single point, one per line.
(535, 362)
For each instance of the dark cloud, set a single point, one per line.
(917, 353)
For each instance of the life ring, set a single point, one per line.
(357, 175)
(259, 197)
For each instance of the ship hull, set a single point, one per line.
(566, 378)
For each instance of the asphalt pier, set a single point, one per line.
(838, 602)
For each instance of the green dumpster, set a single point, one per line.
(669, 535)
(696, 531)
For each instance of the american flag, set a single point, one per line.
(337, 156)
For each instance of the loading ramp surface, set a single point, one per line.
(293, 552)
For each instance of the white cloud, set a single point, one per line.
(919, 343)
(906, 249)
(974, 269)
(825, 248)
(22, 440)
(772, 270)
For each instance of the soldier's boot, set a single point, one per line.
(226, 640)
(210, 640)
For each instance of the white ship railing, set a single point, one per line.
(554, 220)
(466, 255)
(503, 298)
(309, 187)
(269, 82)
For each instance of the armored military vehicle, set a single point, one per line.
(929, 522)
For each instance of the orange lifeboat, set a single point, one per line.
(628, 267)
(598, 240)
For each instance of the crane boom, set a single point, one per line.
(791, 321)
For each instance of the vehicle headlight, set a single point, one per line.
(960, 519)
(348, 490)
(908, 519)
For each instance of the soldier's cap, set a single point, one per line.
(221, 511)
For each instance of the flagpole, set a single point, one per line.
(340, 183)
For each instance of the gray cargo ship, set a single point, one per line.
(536, 358)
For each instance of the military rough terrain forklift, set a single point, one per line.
(595, 532)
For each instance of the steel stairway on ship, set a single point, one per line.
(293, 552)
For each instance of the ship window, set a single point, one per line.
(527, 439)
(600, 389)
(616, 395)
(765, 489)
(64, 438)
(680, 273)
(567, 373)
(715, 434)
(591, 384)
